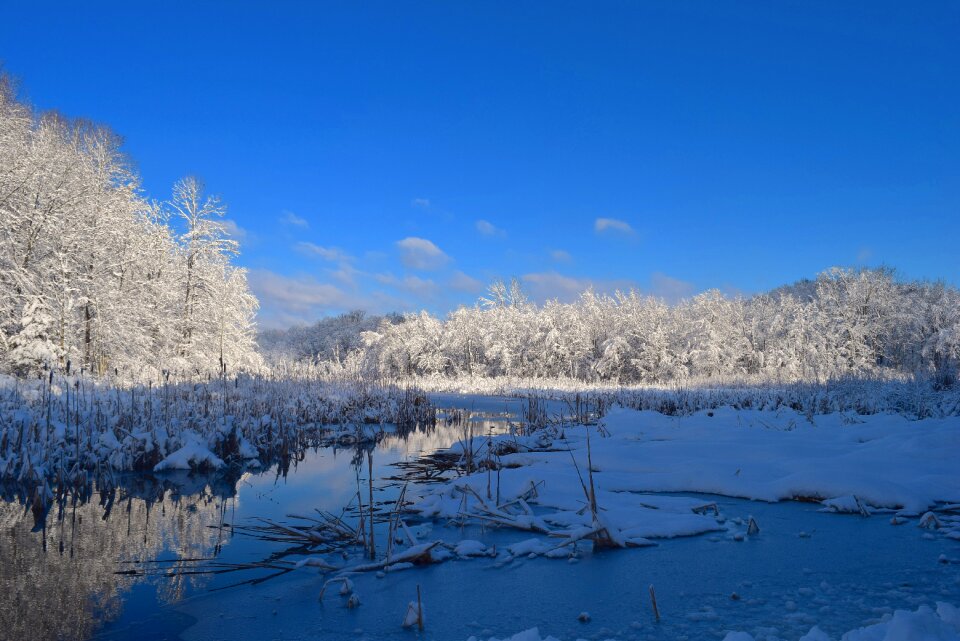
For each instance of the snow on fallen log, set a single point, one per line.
(417, 555)
(846, 504)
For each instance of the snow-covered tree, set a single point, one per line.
(91, 272)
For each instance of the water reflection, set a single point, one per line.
(62, 569)
(58, 581)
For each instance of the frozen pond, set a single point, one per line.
(805, 566)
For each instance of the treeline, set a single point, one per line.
(93, 273)
(845, 323)
(329, 340)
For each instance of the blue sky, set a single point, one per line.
(391, 155)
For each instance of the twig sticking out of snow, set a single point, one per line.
(395, 522)
(419, 610)
(653, 602)
(373, 545)
(346, 586)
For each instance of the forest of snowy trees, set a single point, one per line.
(93, 273)
(846, 323)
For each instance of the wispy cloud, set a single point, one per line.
(327, 253)
(487, 228)
(290, 218)
(421, 288)
(561, 256)
(420, 203)
(301, 297)
(601, 225)
(462, 282)
(671, 289)
(234, 230)
(421, 254)
(345, 273)
(552, 285)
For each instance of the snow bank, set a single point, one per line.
(533, 634)
(923, 625)
(884, 460)
(854, 464)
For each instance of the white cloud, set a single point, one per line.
(671, 289)
(327, 253)
(345, 273)
(290, 300)
(561, 256)
(299, 296)
(290, 218)
(421, 254)
(601, 225)
(463, 283)
(487, 228)
(421, 203)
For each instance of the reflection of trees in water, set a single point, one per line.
(58, 577)
(58, 567)
(453, 426)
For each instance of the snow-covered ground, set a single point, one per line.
(849, 462)
(925, 624)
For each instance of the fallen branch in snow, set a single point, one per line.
(526, 521)
(416, 555)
